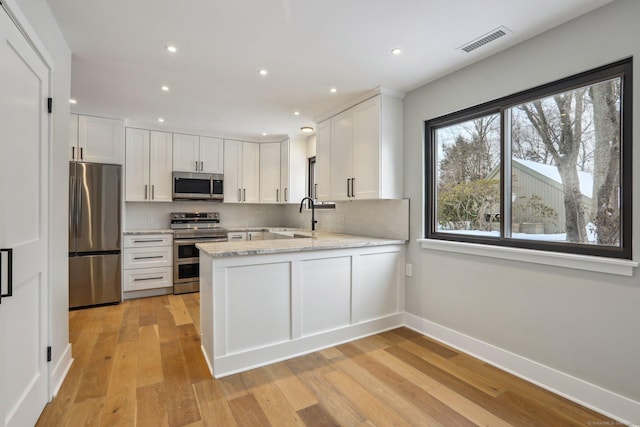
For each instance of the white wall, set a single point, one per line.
(582, 324)
(41, 19)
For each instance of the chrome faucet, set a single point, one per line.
(313, 212)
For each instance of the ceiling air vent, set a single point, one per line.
(483, 40)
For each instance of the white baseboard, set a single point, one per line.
(615, 406)
(60, 370)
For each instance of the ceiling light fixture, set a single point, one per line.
(396, 51)
(306, 129)
(164, 88)
(172, 49)
(263, 72)
(73, 101)
(296, 113)
(160, 119)
(333, 90)
(264, 134)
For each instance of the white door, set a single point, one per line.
(100, 140)
(270, 173)
(250, 172)
(186, 157)
(323, 162)
(161, 166)
(24, 176)
(366, 150)
(341, 155)
(211, 155)
(136, 166)
(232, 171)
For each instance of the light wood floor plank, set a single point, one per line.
(139, 363)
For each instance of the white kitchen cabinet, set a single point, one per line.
(270, 173)
(192, 153)
(293, 162)
(242, 177)
(148, 166)
(236, 236)
(147, 262)
(255, 235)
(323, 161)
(365, 151)
(95, 139)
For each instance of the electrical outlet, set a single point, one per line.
(408, 270)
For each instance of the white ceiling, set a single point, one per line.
(307, 46)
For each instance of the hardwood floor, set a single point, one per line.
(139, 364)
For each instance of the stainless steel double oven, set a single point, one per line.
(191, 228)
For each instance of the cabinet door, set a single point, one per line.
(366, 150)
(323, 162)
(233, 171)
(186, 156)
(293, 170)
(74, 154)
(270, 173)
(160, 166)
(137, 165)
(211, 155)
(100, 140)
(341, 155)
(250, 172)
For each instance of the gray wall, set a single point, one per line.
(581, 323)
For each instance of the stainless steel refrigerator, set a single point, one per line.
(94, 234)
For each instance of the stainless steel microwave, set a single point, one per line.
(197, 186)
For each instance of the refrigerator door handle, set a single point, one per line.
(72, 204)
(78, 206)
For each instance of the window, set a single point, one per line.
(547, 169)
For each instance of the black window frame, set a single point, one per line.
(622, 69)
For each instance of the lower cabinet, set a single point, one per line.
(147, 265)
(257, 309)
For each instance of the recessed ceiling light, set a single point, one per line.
(263, 72)
(396, 51)
(160, 119)
(306, 129)
(296, 113)
(172, 49)
(73, 101)
(264, 134)
(333, 90)
(164, 88)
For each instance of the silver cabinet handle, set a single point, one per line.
(153, 192)
(146, 187)
(73, 153)
(81, 153)
(147, 278)
(201, 166)
(277, 194)
(285, 195)
(348, 187)
(148, 241)
(196, 166)
(353, 187)
(244, 194)
(239, 194)
(149, 257)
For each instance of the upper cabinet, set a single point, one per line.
(192, 153)
(242, 177)
(148, 166)
(96, 139)
(270, 173)
(364, 148)
(293, 162)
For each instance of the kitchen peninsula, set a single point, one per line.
(269, 300)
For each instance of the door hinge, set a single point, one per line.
(50, 105)
(49, 354)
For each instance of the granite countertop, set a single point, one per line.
(313, 241)
(142, 232)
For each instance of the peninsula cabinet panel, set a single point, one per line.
(325, 295)
(257, 309)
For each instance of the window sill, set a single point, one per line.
(620, 267)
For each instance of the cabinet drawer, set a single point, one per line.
(148, 278)
(236, 236)
(147, 240)
(148, 257)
